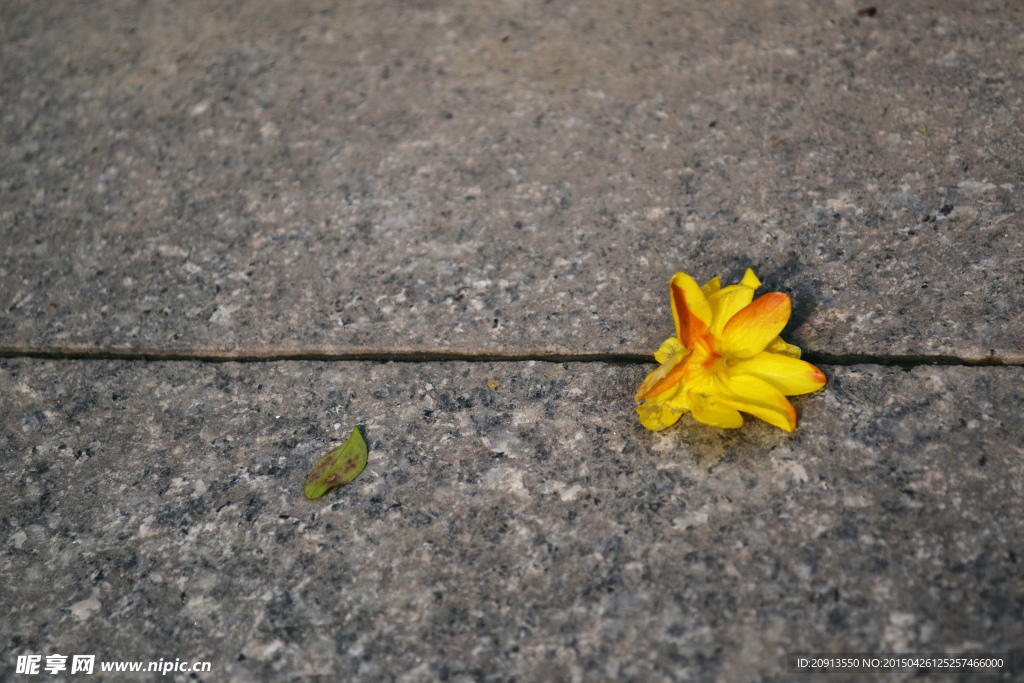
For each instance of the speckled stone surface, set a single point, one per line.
(514, 522)
(520, 176)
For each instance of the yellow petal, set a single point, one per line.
(789, 375)
(760, 399)
(663, 410)
(712, 410)
(690, 308)
(749, 331)
(657, 416)
(778, 346)
(712, 286)
(669, 349)
(750, 280)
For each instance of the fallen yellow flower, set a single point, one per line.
(726, 357)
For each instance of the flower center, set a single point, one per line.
(702, 365)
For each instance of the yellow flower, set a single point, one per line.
(726, 357)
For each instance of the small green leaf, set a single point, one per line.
(338, 467)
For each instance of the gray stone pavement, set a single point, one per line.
(519, 178)
(513, 177)
(529, 530)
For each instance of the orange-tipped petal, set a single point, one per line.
(748, 332)
(789, 375)
(690, 309)
(712, 410)
(662, 379)
(760, 399)
(727, 302)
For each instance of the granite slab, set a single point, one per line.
(521, 177)
(514, 522)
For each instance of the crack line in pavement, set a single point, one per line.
(903, 361)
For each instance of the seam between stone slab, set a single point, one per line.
(410, 356)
